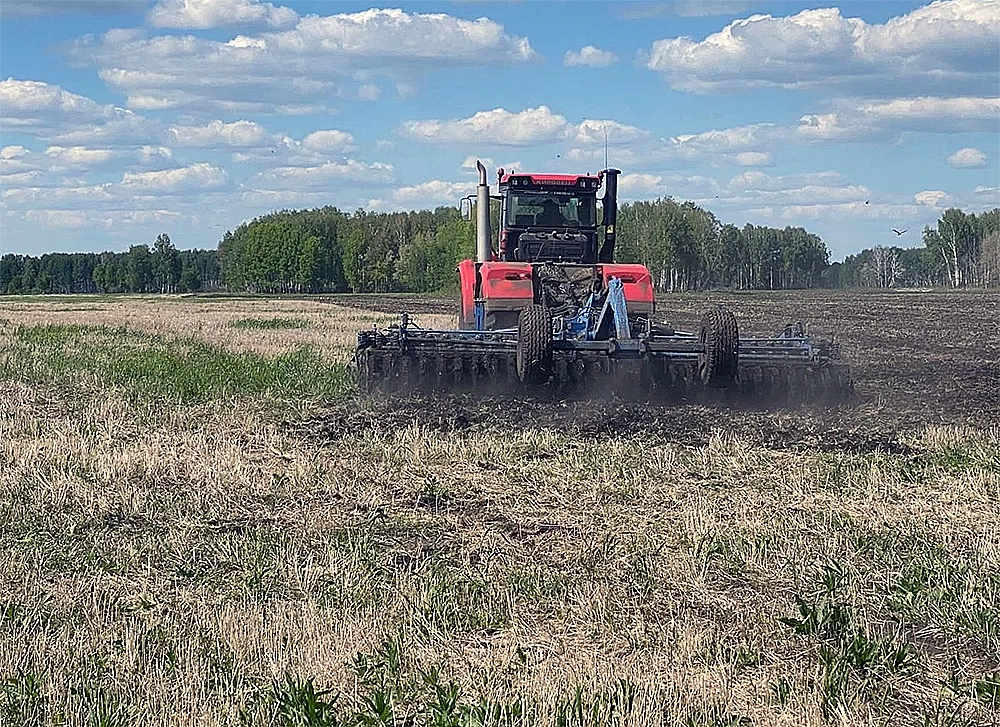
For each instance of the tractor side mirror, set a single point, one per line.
(465, 206)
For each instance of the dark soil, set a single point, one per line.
(917, 358)
(694, 425)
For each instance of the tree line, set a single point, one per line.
(325, 249)
(962, 250)
(684, 246)
(160, 269)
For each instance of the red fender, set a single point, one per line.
(467, 278)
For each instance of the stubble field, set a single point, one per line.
(203, 523)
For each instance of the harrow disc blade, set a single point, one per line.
(392, 370)
(827, 383)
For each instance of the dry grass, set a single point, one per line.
(328, 327)
(222, 563)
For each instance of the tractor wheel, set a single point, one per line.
(534, 345)
(720, 340)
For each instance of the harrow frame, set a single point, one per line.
(651, 361)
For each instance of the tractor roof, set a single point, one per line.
(554, 180)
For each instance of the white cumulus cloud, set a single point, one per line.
(328, 140)
(644, 150)
(967, 158)
(754, 159)
(523, 128)
(300, 69)
(595, 131)
(945, 46)
(78, 156)
(434, 191)
(854, 121)
(48, 111)
(15, 151)
(324, 175)
(149, 154)
(815, 188)
(959, 113)
(205, 14)
(589, 56)
(425, 195)
(196, 176)
(498, 126)
(82, 197)
(638, 185)
(68, 219)
(218, 133)
(932, 198)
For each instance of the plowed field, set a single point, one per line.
(203, 523)
(917, 358)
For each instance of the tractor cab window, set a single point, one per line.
(542, 209)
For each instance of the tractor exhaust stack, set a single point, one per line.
(484, 251)
(610, 214)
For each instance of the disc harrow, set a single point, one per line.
(665, 366)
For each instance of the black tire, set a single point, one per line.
(718, 361)
(534, 345)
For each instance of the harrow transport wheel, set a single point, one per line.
(534, 345)
(720, 339)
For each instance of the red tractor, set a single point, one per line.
(549, 306)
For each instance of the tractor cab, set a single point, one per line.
(548, 218)
(548, 251)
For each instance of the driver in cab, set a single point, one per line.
(550, 214)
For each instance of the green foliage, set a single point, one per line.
(613, 707)
(852, 663)
(428, 263)
(818, 618)
(140, 270)
(327, 250)
(300, 705)
(954, 695)
(392, 691)
(279, 256)
(166, 263)
(685, 248)
(716, 717)
(781, 692)
(962, 250)
(185, 370)
(21, 700)
(268, 324)
(987, 690)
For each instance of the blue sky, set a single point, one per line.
(122, 119)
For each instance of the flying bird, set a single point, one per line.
(899, 232)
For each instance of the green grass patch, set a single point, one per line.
(391, 690)
(64, 297)
(146, 366)
(22, 699)
(268, 324)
